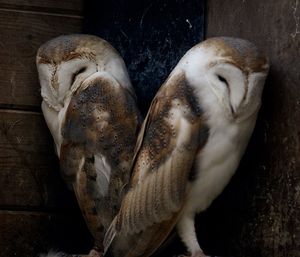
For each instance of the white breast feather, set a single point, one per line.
(217, 162)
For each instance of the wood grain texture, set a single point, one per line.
(261, 207)
(21, 36)
(64, 7)
(27, 234)
(28, 166)
(31, 188)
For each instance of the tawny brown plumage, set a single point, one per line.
(190, 144)
(168, 164)
(100, 120)
(162, 167)
(89, 106)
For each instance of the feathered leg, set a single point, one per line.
(187, 233)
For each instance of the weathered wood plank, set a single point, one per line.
(64, 7)
(21, 35)
(29, 169)
(265, 212)
(28, 233)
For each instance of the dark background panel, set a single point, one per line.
(151, 35)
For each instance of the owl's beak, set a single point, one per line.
(233, 112)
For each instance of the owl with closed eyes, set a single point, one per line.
(90, 108)
(190, 144)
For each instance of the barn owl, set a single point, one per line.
(89, 106)
(190, 144)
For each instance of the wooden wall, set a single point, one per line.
(262, 207)
(36, 209)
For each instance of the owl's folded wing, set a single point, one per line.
(172, 134)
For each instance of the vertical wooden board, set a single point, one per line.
(29, 169)
(21, 35)
(64, 6)
(27, 234)
(261, 207)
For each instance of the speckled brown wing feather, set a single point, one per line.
(99, 134)
(174, 130)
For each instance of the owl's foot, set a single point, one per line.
(94, 253)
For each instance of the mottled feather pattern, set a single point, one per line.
(184, 155)
(88, 207)
(239, 52)
(159, 183)
(100, 124)
(91, 122)
(65, 48)
(90, 108)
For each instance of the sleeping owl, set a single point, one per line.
(190, 144)
(90, 108)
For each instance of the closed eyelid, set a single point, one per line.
(222, 79)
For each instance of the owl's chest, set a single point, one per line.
(214, 166)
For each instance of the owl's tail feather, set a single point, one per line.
(109, 235)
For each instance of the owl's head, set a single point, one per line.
(233, 70)
(64, 62)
